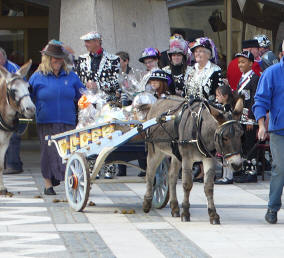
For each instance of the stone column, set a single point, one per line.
(124, 24)
(54, 20)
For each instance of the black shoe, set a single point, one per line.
(55, 182)
(49, 191)
(10, 171)
(247, 177)
(252, 177)
(142, 174)
(224, 181)
(238, 173)
(271, 216)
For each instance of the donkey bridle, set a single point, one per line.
(219, 136)
(11, 94)
(199, 141)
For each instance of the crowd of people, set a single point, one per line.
(186, 69)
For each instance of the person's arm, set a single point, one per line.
(261, 129)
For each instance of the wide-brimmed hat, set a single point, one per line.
(201, 42)
(149, 52)
(91, 35)
(250, 43)
(54, 50)
(158, 75)
(208, 44)
(246, 54)
(178, 46)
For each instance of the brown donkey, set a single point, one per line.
(201, 130)
(14, 100)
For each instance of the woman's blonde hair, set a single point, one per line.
(45, 65)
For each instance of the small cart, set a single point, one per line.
(86, 150)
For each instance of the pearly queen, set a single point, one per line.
(203, 82)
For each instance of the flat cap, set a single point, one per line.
(91, 35)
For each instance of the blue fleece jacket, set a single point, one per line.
(11, 67)
(270, 95)
(55, 97)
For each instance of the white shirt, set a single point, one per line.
(207, 66)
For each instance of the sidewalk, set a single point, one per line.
(35, 225)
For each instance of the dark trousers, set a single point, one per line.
(248, 141)
(12, 157)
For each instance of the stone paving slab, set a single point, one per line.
(39, 227)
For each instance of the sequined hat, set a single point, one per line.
(158, 75)
(178, 46)
(246, 54)
(149, 52)
(202, 42)
(263, 40)
(91, 35)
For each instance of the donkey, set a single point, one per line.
(14, 100)
(191, 139)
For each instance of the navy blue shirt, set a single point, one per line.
(55, 97)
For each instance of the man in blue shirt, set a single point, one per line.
(269, 97)
(13, 163)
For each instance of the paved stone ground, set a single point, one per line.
(33, 225)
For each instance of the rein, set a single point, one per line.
(186, 104)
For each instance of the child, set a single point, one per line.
(224, 96)
(159, 82)
(247, 88)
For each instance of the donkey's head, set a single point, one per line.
(228, 135)
(18, 95)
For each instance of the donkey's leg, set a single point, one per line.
(173, 177)
(3, 149)
(187, 185)
(209, 174)
(154, 159)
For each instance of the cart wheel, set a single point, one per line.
(161, 185)
(77, 181)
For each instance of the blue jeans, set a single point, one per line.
(12, 157)
(277, 172)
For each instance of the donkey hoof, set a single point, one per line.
(185, 218)
(215, 221)
(175, 214)
(3, 191)
(147, 204)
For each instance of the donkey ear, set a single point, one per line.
(23, 71)
(217, 114)
(238, 110)
(3, 72)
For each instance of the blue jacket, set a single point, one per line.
(55, 97)
(11, 67)
(270, 95)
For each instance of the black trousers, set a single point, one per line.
(249, 139)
